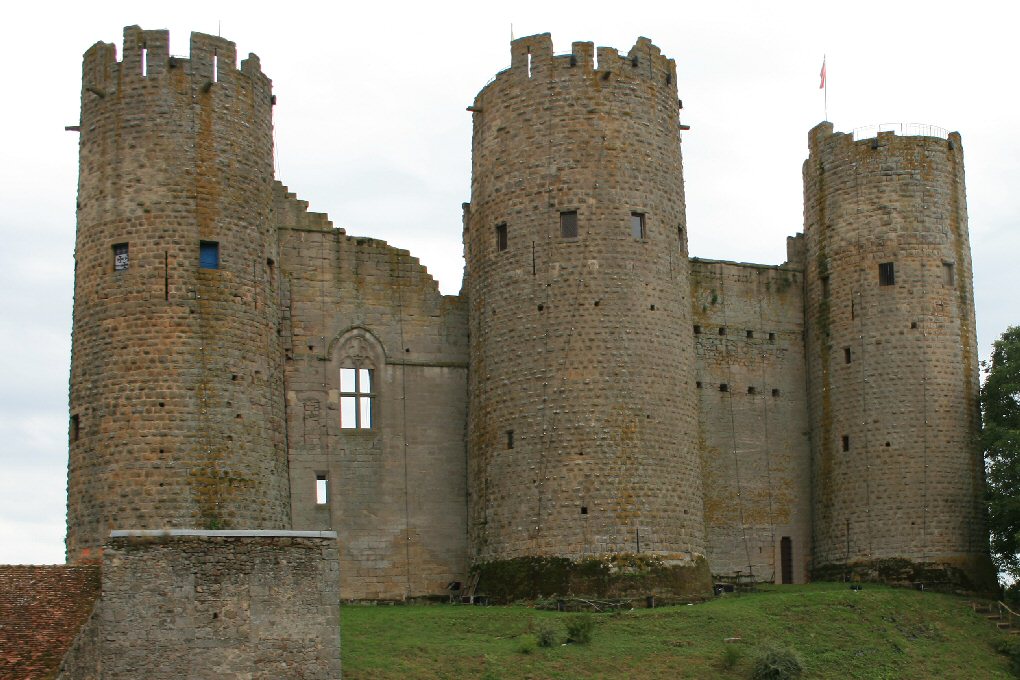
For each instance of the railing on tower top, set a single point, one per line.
(901, 129)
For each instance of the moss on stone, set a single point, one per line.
(619, 575)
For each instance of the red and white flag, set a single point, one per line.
(821, 85)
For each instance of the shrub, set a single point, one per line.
(525, 648)
(777, 663)
(580, 629)
(1010, 647)
(546, 634)
(731, 656)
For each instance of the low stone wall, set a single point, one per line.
(220, 604)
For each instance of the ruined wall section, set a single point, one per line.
(219, 604)
(582, 430)
(396, 490)
(176, 394)
(892, 359)
(753, 426)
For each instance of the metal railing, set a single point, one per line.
(901, 129)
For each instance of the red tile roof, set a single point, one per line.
(42, 608)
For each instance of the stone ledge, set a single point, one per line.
(225, 533)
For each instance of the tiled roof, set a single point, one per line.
(42, 608)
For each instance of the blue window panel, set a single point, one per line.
(209, 255)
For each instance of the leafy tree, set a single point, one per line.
(1000, 437)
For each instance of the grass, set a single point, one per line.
(876, 633)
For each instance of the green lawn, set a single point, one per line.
(875, 633)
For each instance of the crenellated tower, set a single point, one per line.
(176, 396)
(582, 417)
(892, 360)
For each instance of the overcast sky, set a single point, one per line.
(371, 128)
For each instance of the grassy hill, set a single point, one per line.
(876, 633)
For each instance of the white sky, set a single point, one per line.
(371, 129)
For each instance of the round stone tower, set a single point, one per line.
(892, 360)
(176, 399)
(582, 417)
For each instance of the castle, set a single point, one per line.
(594, 399)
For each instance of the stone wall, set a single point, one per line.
(582, 430)
(396, 490)
(176, 399)
(220, 605)
(753, 425)
(892, 355)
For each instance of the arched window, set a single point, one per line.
(357, 361)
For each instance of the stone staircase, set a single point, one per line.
(1002, 616)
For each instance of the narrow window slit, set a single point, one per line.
(321, 489)
(501, 241)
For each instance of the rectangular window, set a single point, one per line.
(321, 489)
(509, 439)
(750, 335)
(356, 398)
(846, 442)
(825, 287)
(568, 224)
(501, 237)
(209, 255)
(723, 387)
(73, 434)
(949, 273)
(637, 225)
(887, 274)
(847, 356)
(120, 257)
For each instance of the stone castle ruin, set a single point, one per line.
(595, 403)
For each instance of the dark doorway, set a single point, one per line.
(786, 559)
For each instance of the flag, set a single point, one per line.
(821, 85)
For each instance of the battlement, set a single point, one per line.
(880, 135)
(532, 58)
(146, 55)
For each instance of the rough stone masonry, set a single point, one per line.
(595, 403)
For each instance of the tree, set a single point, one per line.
(1000, 437)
